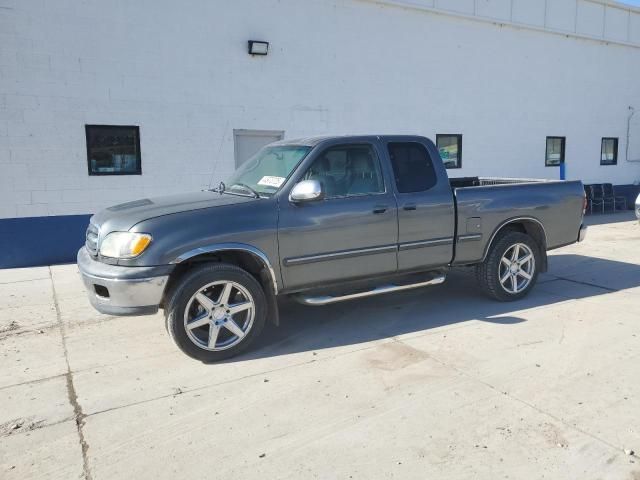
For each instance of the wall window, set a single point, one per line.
(609, 151)
(450, 148)
(113, 150)
(412, 167)
(555, 152)
(347, 171)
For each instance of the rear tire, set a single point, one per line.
(510, 270)
(215, 312)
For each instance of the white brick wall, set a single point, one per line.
(181, 72)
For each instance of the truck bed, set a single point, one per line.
(483, 204)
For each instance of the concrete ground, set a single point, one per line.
(433, 383)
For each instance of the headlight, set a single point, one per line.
(124, 244)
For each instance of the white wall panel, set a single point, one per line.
(590, 18)
(561, 15)
(498, 9)
(460, 6)
(634, 28)
(616, 24)
(634, 138)
(529, 12)
(422, 3)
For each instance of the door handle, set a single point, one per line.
(409, 206)
(380, 208)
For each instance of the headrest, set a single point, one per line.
(321, 165)
(361, 161)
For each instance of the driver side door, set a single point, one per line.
(349, 234)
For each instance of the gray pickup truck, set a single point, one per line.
(320, 219)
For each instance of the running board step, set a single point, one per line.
(328, 299)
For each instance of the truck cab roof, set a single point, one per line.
(319, 139)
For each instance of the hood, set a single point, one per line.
(125, 215)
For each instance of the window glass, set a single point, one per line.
(347, 170)
(412, 167)
(267, 170)
(113, 150)
(609, 151)
(450, 149)
(555, 151)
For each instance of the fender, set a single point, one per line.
(513, 220)
(221, 247)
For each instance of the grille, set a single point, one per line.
(92, 239)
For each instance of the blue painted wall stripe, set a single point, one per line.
(34, 241)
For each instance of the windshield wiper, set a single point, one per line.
(246, 187)
(222, 188)
(219, 189)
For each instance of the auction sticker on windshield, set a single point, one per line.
(271, 181)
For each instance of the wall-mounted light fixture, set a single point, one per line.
(257, 47)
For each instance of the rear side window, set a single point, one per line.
(412, 167)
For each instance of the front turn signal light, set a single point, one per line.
(124, 244)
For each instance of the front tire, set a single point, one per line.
(511, 268)
(215, 312)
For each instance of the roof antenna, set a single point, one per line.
(217, 160)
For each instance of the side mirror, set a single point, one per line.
(306, 191)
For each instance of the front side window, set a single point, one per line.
(555, 151)
(412, 167)
(450, 149)
(266, 171)
(609, 151)
(113, 150)
(347, 170)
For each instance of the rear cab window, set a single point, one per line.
(413, 169)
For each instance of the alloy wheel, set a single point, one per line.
(219, 315)
(517, 267)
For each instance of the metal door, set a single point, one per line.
(247, 142)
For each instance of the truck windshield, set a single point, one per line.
(267, 170)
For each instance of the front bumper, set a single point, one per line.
(119, 290)
(583, 233)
